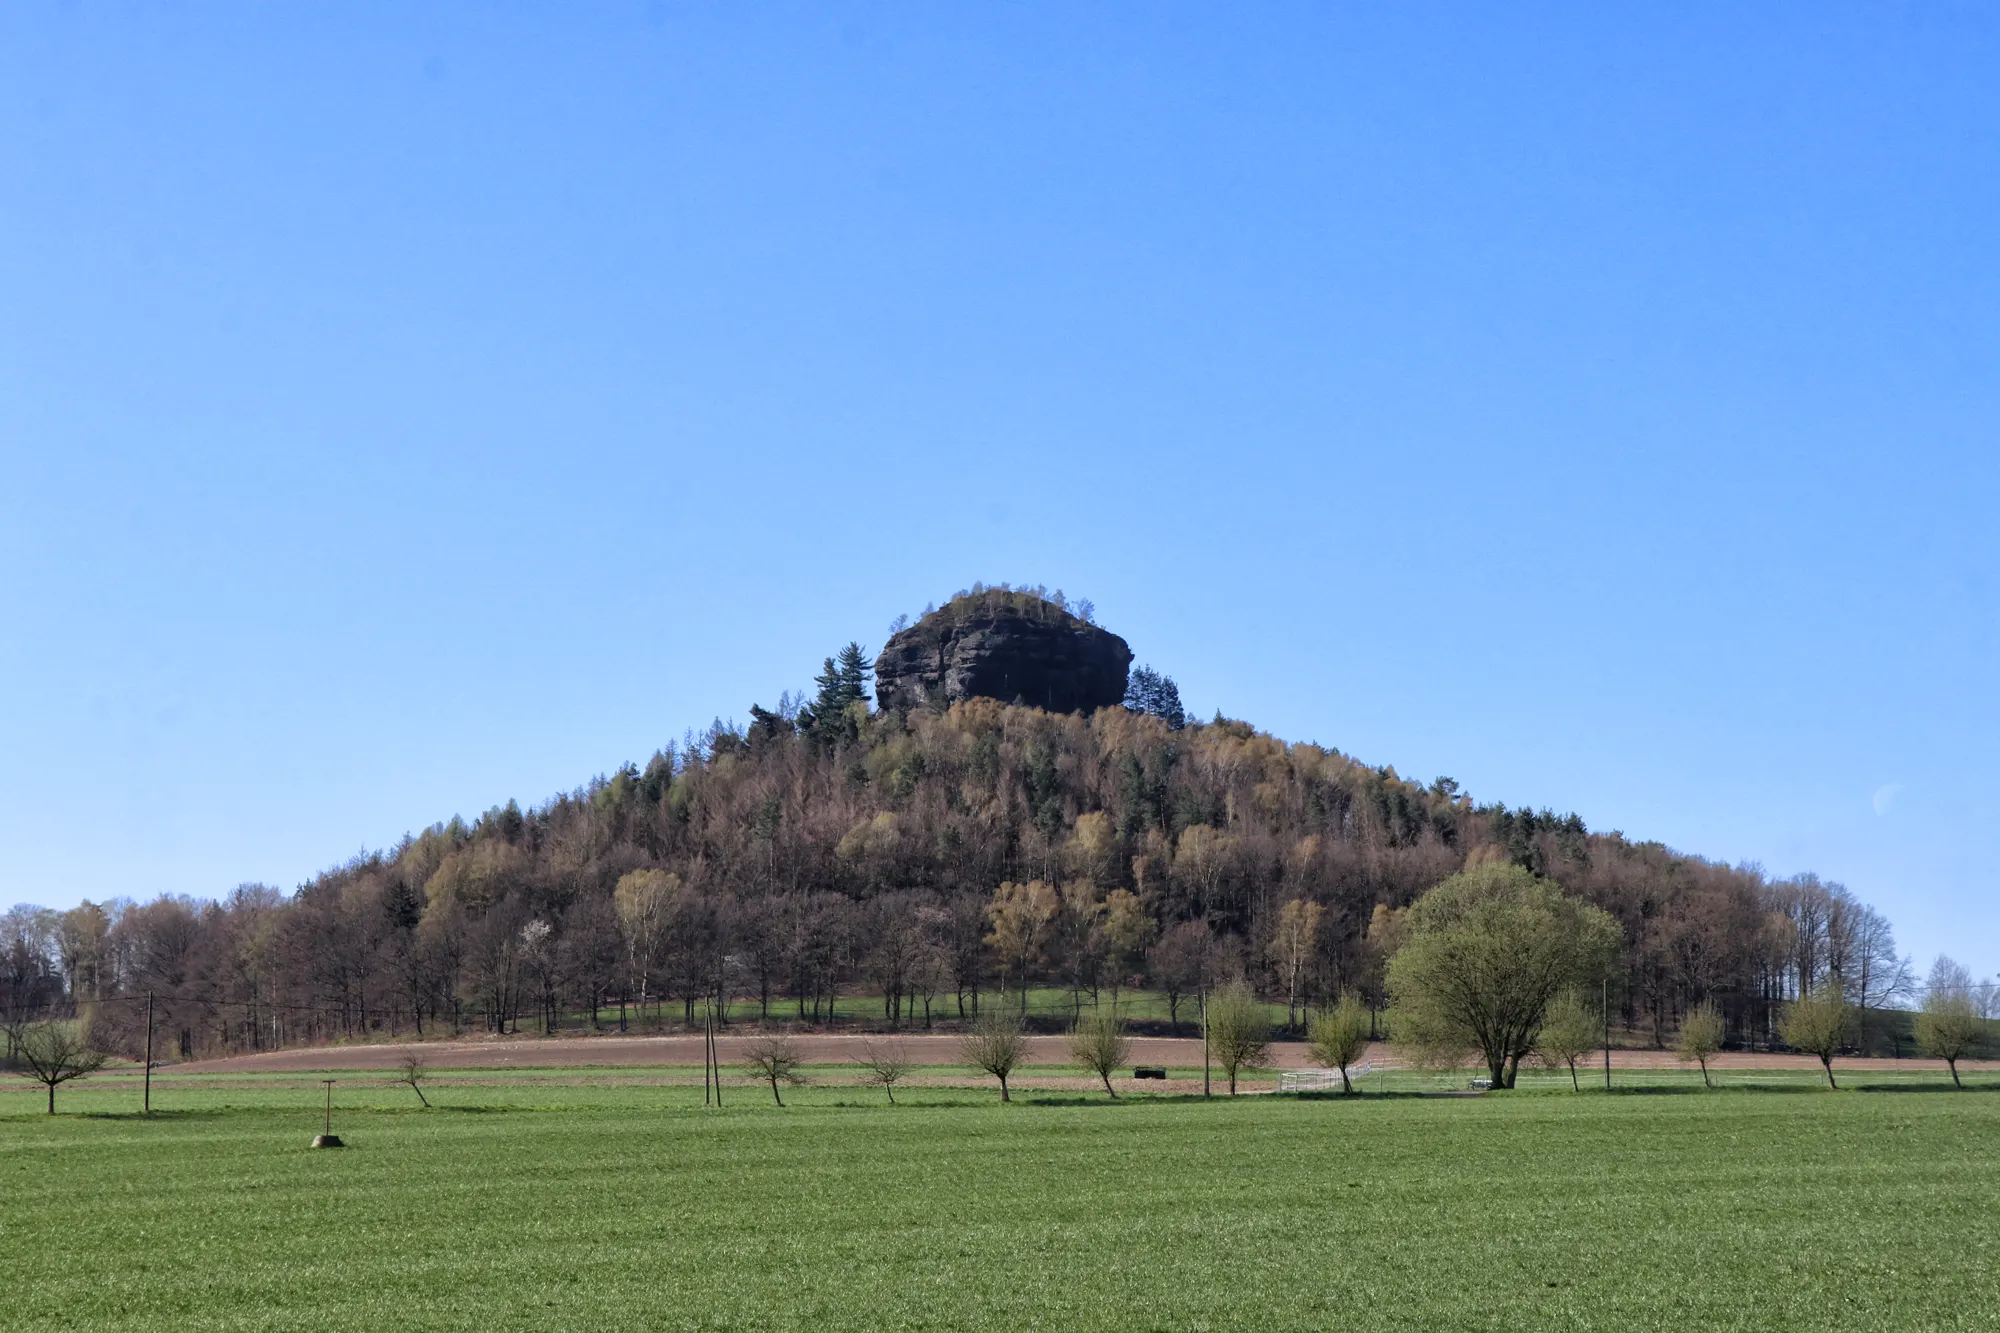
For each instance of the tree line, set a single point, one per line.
(937, 861)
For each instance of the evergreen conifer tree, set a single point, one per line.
(843, 680)
(1151, 692)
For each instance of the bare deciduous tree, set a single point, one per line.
(1339, 1035)
(1701, 1037)
(1181, 963)
(1204, 858)
(884, 1065)
(995, 1044)
(1100, 1045)
(53, 1053)
(1128, 931)
(413, 1069)
(773, 1059)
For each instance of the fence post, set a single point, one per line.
(1605, 999)
(148, 1102)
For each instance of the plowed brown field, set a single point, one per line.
(935, 1049)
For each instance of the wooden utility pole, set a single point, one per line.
(707, 1071)
(149, 1054)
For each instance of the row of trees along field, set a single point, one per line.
(932, 859)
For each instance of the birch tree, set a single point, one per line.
(1291, 948)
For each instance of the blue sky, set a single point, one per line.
(405, 408)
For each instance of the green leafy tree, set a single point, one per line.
(1949, 1023)
(1483, 954)
(1570, 1030)
(1339, 1035)
(1701, 1037)
(1819, 1022)
(1238, 1036)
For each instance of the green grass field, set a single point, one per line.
(605, 1200)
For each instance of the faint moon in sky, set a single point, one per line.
(1886, 797)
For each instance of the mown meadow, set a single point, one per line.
(612, 1199)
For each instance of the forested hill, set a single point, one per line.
(924, 856)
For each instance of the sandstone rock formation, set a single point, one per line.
(1010, 646)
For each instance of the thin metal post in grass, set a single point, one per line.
(711, 1058)
(329, 1139)
(1204, 1044)
(1605, 998)
(148, 1094)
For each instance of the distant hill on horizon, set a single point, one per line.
(928, 853)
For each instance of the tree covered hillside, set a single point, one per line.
(927, 857)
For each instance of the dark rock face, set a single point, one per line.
(999, 649)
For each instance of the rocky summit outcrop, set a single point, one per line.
(1003, 645)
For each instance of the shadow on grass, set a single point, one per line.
(439, 1108)
(1196, 1099)
(1639, 1090)
(1672, 1090)
(1787, 1089)
(203, 1113)
(164, 1114)
(1378, 1095)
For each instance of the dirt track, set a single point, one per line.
(569, 1052)
(638, 1051)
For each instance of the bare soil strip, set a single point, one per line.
(932, 1049)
